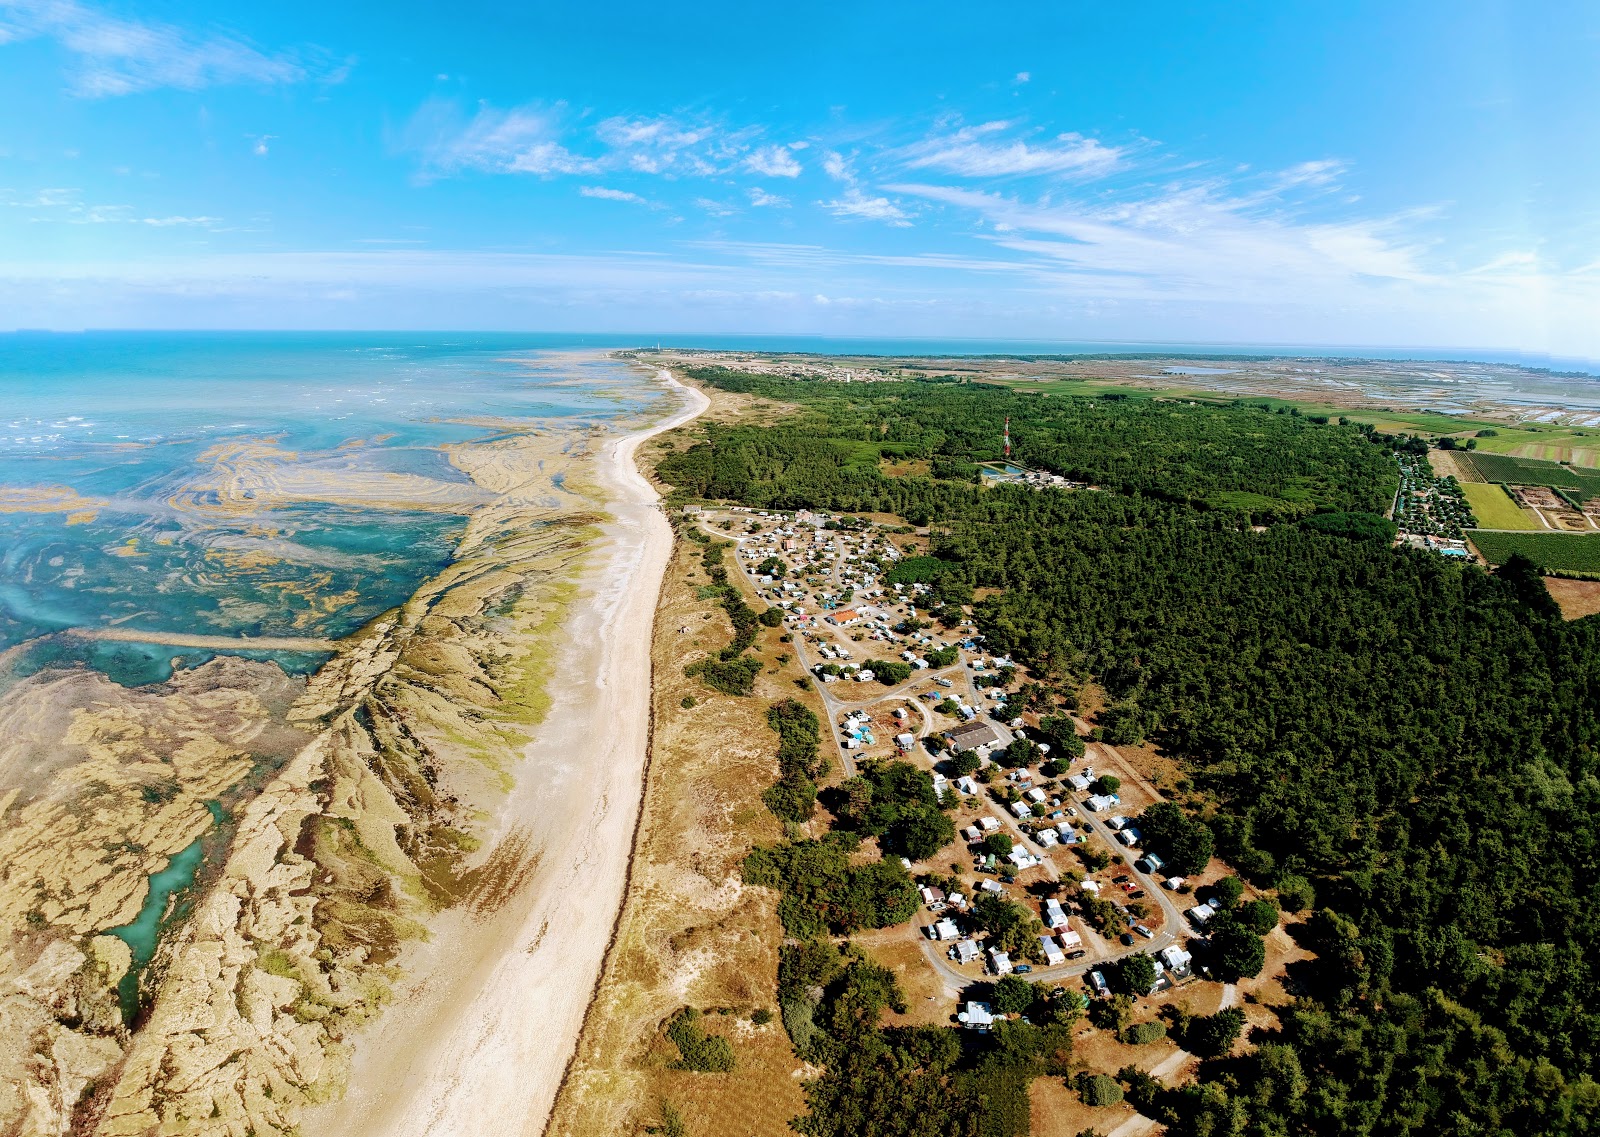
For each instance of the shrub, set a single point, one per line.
(1142, 1034)
(701, 1052)
(1107, 784)
(761, 1016)
(688, 701)
(1098, 1090)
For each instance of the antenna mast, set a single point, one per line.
(1008, 436)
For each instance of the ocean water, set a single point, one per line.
(110, 445)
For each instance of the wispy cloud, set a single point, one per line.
(67, 207)
(857, 205)
(760, 197)
(113, 55)
(981, 152)
(605, 193)
(773, 162)
(520, 140)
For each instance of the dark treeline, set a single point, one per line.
(1408, 740)
(1269, 464)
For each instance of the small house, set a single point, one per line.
(1053, 954)
(976, 1016)
(965, 951)
(999, 962)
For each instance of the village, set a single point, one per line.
(1049, 836)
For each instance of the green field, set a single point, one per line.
(1532, 472)
(1579, 445)
(1553, 551)
(1494, 508)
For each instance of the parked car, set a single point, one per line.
(1022, 969)
(1144, 931)
(1076, 954)
(1126, 938)
(1138, 895)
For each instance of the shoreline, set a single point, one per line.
(488, 1014)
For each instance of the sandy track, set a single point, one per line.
(490, 1011)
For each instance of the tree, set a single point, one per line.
(1021, 752)
(1260, 916)
(965, 762)
(1107, 784)
(1012, 995)
(1211, 1036)
(1012, 928)
(1295, 893)
(1184, 843)
(1062, 734)
(772, 617)
(1137, 974)
(998, 844)
(921, 833)
(1227, 891)
(1234, 951)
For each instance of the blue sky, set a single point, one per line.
(1412, 173)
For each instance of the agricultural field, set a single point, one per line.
(1556, 552)
(1533, 472)
(1495, 509)
(1579, 446)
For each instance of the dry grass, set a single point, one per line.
(1577, 598)
(690, 933)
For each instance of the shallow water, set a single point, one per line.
(144, 932)
(114, 441)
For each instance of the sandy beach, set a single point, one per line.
(488, 1010)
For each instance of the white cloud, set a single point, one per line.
(715, 208)
(760, 197)
(117, 56)
(521, 140)
(837, 167)
(1324, 172)
(855, 204)
(975, 152)
(773, 162)
(607, 194)
(1022, 77)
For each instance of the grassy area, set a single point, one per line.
(1533, 472)
(1556, 552)
(1553, 443)
(1495, 509)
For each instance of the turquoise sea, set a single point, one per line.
(108, 441)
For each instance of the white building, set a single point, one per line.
(976, 1016)
(1053, 954)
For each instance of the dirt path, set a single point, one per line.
(480, 1036)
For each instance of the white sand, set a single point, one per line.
(483, 1026)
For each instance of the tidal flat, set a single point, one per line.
(276, 626)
